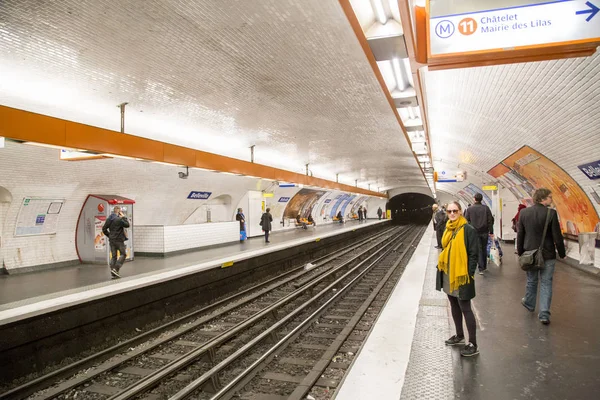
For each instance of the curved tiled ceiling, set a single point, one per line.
(289, 77)
(479, 116)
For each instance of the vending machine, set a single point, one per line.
(91, 244)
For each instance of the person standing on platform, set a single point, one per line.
(439, 221)
(365, 213)
(360, 213)
(340, 217)
(242, 218)
(265, 222)
(529, 237)
(379, 212)
(515, 222)
(480, 217)
(456, 276)
(114, 229)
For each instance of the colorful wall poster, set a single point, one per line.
(526, 170)
(302, 203)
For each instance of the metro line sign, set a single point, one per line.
(530, 25)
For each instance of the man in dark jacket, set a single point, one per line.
(114, 229)
(439, 221)
(529, 237)
(480, 217)
(265, 223)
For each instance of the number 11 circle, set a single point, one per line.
(467, 26)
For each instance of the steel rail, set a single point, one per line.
(159, 375)
(50, 378)
(211, 375)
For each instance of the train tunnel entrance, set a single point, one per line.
(411, 208)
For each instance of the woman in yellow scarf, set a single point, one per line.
(456, 270)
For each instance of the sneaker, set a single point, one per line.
(481, 271)
(455, 340)
(545, 320)
(114, 273)
(469, 350)
(525, 305)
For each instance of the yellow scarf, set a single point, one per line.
(455, 254)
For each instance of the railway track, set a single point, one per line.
(201, 338)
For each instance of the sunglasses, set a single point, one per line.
(452, 211)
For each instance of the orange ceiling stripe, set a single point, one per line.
(31, 127)
(362, 39)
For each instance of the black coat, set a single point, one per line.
(240, 217)
(265, 222)
(481, 218)
(465, 292)
(530, 229)
(114, 228)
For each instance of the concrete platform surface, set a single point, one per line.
(520, 358)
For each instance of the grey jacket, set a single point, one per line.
(530, 229)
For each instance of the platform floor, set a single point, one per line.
(520, 358)
(21, 289)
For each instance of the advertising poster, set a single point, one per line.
(527, 170)
(302, 203)
(99, 238)
(472, 190)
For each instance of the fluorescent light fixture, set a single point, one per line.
(411, 113)
(387, 72)
(117, 156)
(162, 163)
(379, 11)
(408, 72)
(1, 142)
(268, 194)
(50, 146)
(400, 81)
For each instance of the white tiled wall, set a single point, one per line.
(161, 201)
(149, 239)
(183, 237)
(166, 239)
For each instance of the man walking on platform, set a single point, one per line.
(480, 217)
(114, 229)
(532, 221)
(379, 212)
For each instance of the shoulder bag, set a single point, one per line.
(533, 260)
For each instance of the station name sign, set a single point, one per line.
(591, 170)
(284, 199)
(507, 28)
(199, 195)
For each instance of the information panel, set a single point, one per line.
(500, 27)
(38, 216)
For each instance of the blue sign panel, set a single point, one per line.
(284, 185)
(591, 170)
(199, 195)
(284, 199)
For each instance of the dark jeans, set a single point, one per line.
(266, 236)
(114, 262)
(459, 309)
(483, 240)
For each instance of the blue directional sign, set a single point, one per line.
(591, 170)
(502, 25)
(592, 10)
(199, 195)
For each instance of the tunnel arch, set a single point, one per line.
(411, 208)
